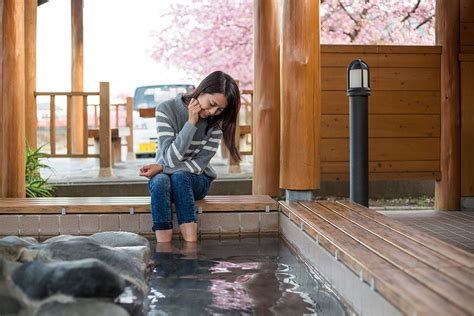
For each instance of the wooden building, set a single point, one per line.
(421, 110)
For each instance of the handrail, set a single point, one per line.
(104, 126)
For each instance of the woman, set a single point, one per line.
(190, 128)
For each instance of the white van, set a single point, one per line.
(144, 128)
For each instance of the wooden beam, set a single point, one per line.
(30, 72)
(12, 108)
(77, 74)
(266, 99)
(130, 153)
(447, 190)
(300, 96)
(105, 134)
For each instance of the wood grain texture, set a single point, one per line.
(467, 130)
(129, 124)
(266, 99)
(77, 74)
(384, 126)
(88, 205)
(448, 189)
(409, 79)
(456, 254)
(396, 285)
(105, 133)
(12, 124)
(300, 96)
(385, 102)
(383, 149)
(30, 72)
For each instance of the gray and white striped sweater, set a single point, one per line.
(183, 146)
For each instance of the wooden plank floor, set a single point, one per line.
(140, 204)
(414, 271)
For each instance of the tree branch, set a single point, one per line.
(412, 11)
(424, 22)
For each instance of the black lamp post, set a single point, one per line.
(358, 90)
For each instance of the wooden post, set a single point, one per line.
(300, 96)
(30, 72)
(447, 190)
(234, 165)
(266, 99)
(12, 99)
(130, 153)
(77, 74)
(105, 137)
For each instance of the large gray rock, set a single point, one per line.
(81, 278)
(66, 237)
(81, 308)
(127, 266)
(120, 239)
(142, 253)
(9, 305)
(11, 247)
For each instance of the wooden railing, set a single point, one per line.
(104, 126)
(243, 132)
(126, 107)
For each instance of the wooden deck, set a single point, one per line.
(417, 273)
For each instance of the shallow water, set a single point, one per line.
(259, 276)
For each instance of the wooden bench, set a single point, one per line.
(116, 135)
(131, 204)
(417, 273)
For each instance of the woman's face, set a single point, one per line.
(211, 104)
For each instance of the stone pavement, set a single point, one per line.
(81, 170)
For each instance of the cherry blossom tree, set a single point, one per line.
(201, 36)
(208, 35)
(377, 22)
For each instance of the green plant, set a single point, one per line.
(36, 186)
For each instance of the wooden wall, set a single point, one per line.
(467, 97)
(404, 111)
(467, 26)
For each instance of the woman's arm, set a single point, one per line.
(172, 143)
(200, 160)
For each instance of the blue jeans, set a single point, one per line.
(182, 188)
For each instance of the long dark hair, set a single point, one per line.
(220, 82)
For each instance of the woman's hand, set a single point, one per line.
(193, 110)
(150, 171)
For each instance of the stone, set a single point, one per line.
(120, 239)
(81, 278)
(81, 308)
(130, 268)
(31, 240)
(142, 253)
(66, 237)
(9, 305)
(11, 247)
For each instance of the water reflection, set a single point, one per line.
(258, 276)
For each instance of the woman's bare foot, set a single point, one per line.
(164, 235)
(189, 249)
(164, 247)
(189, 231)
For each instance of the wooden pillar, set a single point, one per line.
(12, 100)
(300, 96)
(130, 153)
(30, 72)
(77, 74)
(447, 190)
(105, 137)
(266, 99)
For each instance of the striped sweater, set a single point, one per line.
(183, 146)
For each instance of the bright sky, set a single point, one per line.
(117, 45)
